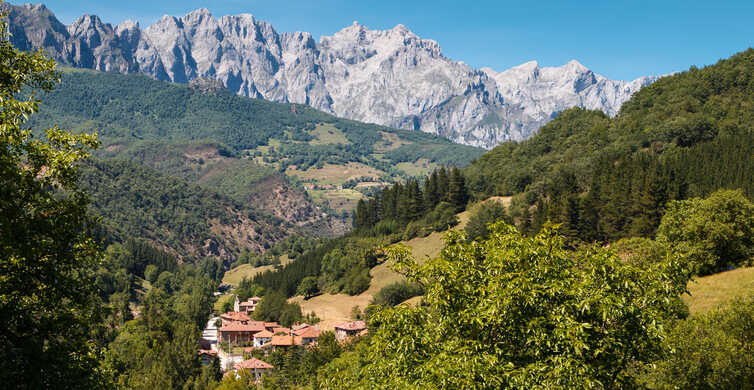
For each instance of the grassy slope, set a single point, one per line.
(221, 302)
(333, 309)
(235, 275)
(710, 292)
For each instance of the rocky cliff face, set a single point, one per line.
(390, 77)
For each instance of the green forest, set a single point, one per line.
(129, 108)
(684, 136)
(136, 201)
(177, 161)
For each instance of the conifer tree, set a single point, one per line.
(442, 185)
(458, 195)
(431, 196)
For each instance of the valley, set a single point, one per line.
(300, 171)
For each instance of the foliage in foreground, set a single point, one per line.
(516, 312)
(47, 305)
(711, 351)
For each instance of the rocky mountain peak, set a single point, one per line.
(403, 30)
(199, 12)
(87, 24)
(391, 77)
(575, 66)
(128, 25)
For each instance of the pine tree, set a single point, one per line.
(458, 195)
(360, 215)
(569, 218)
(415, 200)
(442, 185)
(431, 196)
(524, 223)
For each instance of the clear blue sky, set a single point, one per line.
(618, 39)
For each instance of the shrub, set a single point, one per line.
(396, 293)
(639, 252)
(150, 273)
(357, 282)
(711, 351)
(487, 213)
(714, 234)
(443, 217)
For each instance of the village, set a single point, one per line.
(233, 337)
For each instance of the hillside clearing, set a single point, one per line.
(334, 309)
(331, 174)
(235, 275)
(221, 302)
(326, 133)
(710, 292)
(420, 167)
(339, 200)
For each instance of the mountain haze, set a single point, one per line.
(391, 77)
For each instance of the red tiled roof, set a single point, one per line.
(207, 352)
(252, 326)
(252, 364)
(247, 304)
(299, 327)
(281, 330)
(265, 334)
(309, 333)
(282, 341)
(355, 325)
(270, 324)
(235, 316)
(255, 299)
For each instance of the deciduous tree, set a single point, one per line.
(47, 305)
(514, 312)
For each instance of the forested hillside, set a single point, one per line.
(214, 166)
(686, 135)
(291, 161)
(667, 184)
(132, 107)
(182, 218)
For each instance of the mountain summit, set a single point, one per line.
(391, 77)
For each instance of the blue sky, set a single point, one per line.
(618, 39)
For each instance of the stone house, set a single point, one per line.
(349, 329)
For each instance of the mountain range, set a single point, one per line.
(390, 77)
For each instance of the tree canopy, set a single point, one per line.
(715, 233)
(47, 306)
(516, 312)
